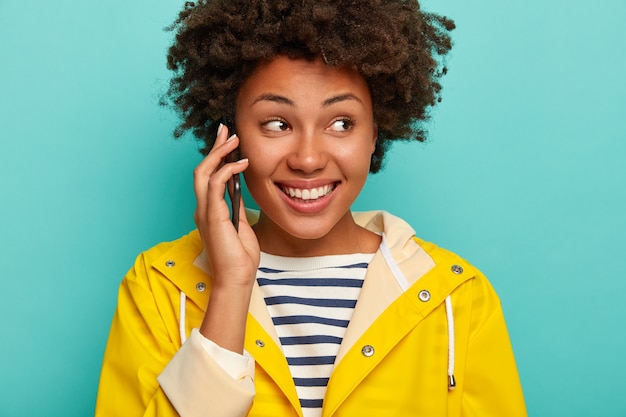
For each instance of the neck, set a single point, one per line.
(344, 238)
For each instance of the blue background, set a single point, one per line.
(524, 175)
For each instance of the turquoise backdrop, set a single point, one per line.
(524, 175)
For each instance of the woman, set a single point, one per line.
(307, 309)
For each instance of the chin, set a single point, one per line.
(305, 230)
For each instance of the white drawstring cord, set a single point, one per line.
(393, 266)
(450, 317)
(181, 322)
(402, 281)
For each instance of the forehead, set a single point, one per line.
(302, 79)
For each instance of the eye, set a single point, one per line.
(341, 125)
(276, 125)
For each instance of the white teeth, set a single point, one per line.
(309, 193)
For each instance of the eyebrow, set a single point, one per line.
(275, 98)
(284, 100)
(340, 98)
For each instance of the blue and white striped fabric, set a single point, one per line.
(311, 301)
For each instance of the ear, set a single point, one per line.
(374, 137)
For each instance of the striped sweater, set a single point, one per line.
(311, 301)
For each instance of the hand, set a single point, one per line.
(233, 257)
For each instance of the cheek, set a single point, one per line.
(361, 156)
(260, 160)
(252, 175)
(356, 167)
(255, 185)
(260, 171)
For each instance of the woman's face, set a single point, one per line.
(308, 132)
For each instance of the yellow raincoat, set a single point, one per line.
(394, 359)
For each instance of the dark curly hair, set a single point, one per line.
(394, 45)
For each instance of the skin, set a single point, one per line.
(308, 133)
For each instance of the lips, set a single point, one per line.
(308, 194)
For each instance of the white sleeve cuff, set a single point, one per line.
(237, 366)
(197, 386)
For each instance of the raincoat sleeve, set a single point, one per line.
(138, 350)
(492, 387)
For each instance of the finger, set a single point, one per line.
(212, 209)
(222, 134)
(209, 166)
(215, 221)
(226, 175)
(220, 148)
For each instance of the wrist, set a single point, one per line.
(231, 284)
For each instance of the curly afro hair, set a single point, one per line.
(395, 46)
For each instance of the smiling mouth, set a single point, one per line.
(309, 194)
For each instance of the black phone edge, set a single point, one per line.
(234, 156)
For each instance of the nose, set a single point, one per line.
(309, 154)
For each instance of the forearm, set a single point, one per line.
(225, 318)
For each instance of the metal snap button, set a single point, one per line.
(457, 269)
(170, 263)
(424, 295)
(200, 286)
(260, 343)
(368, 350)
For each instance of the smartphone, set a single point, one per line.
(235, 181)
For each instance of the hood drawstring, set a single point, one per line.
(393, 266)
(404, 284)
(450, 317)
(181, 320)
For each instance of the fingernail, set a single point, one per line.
(219, 129)
(243, 160)
(231, 138)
